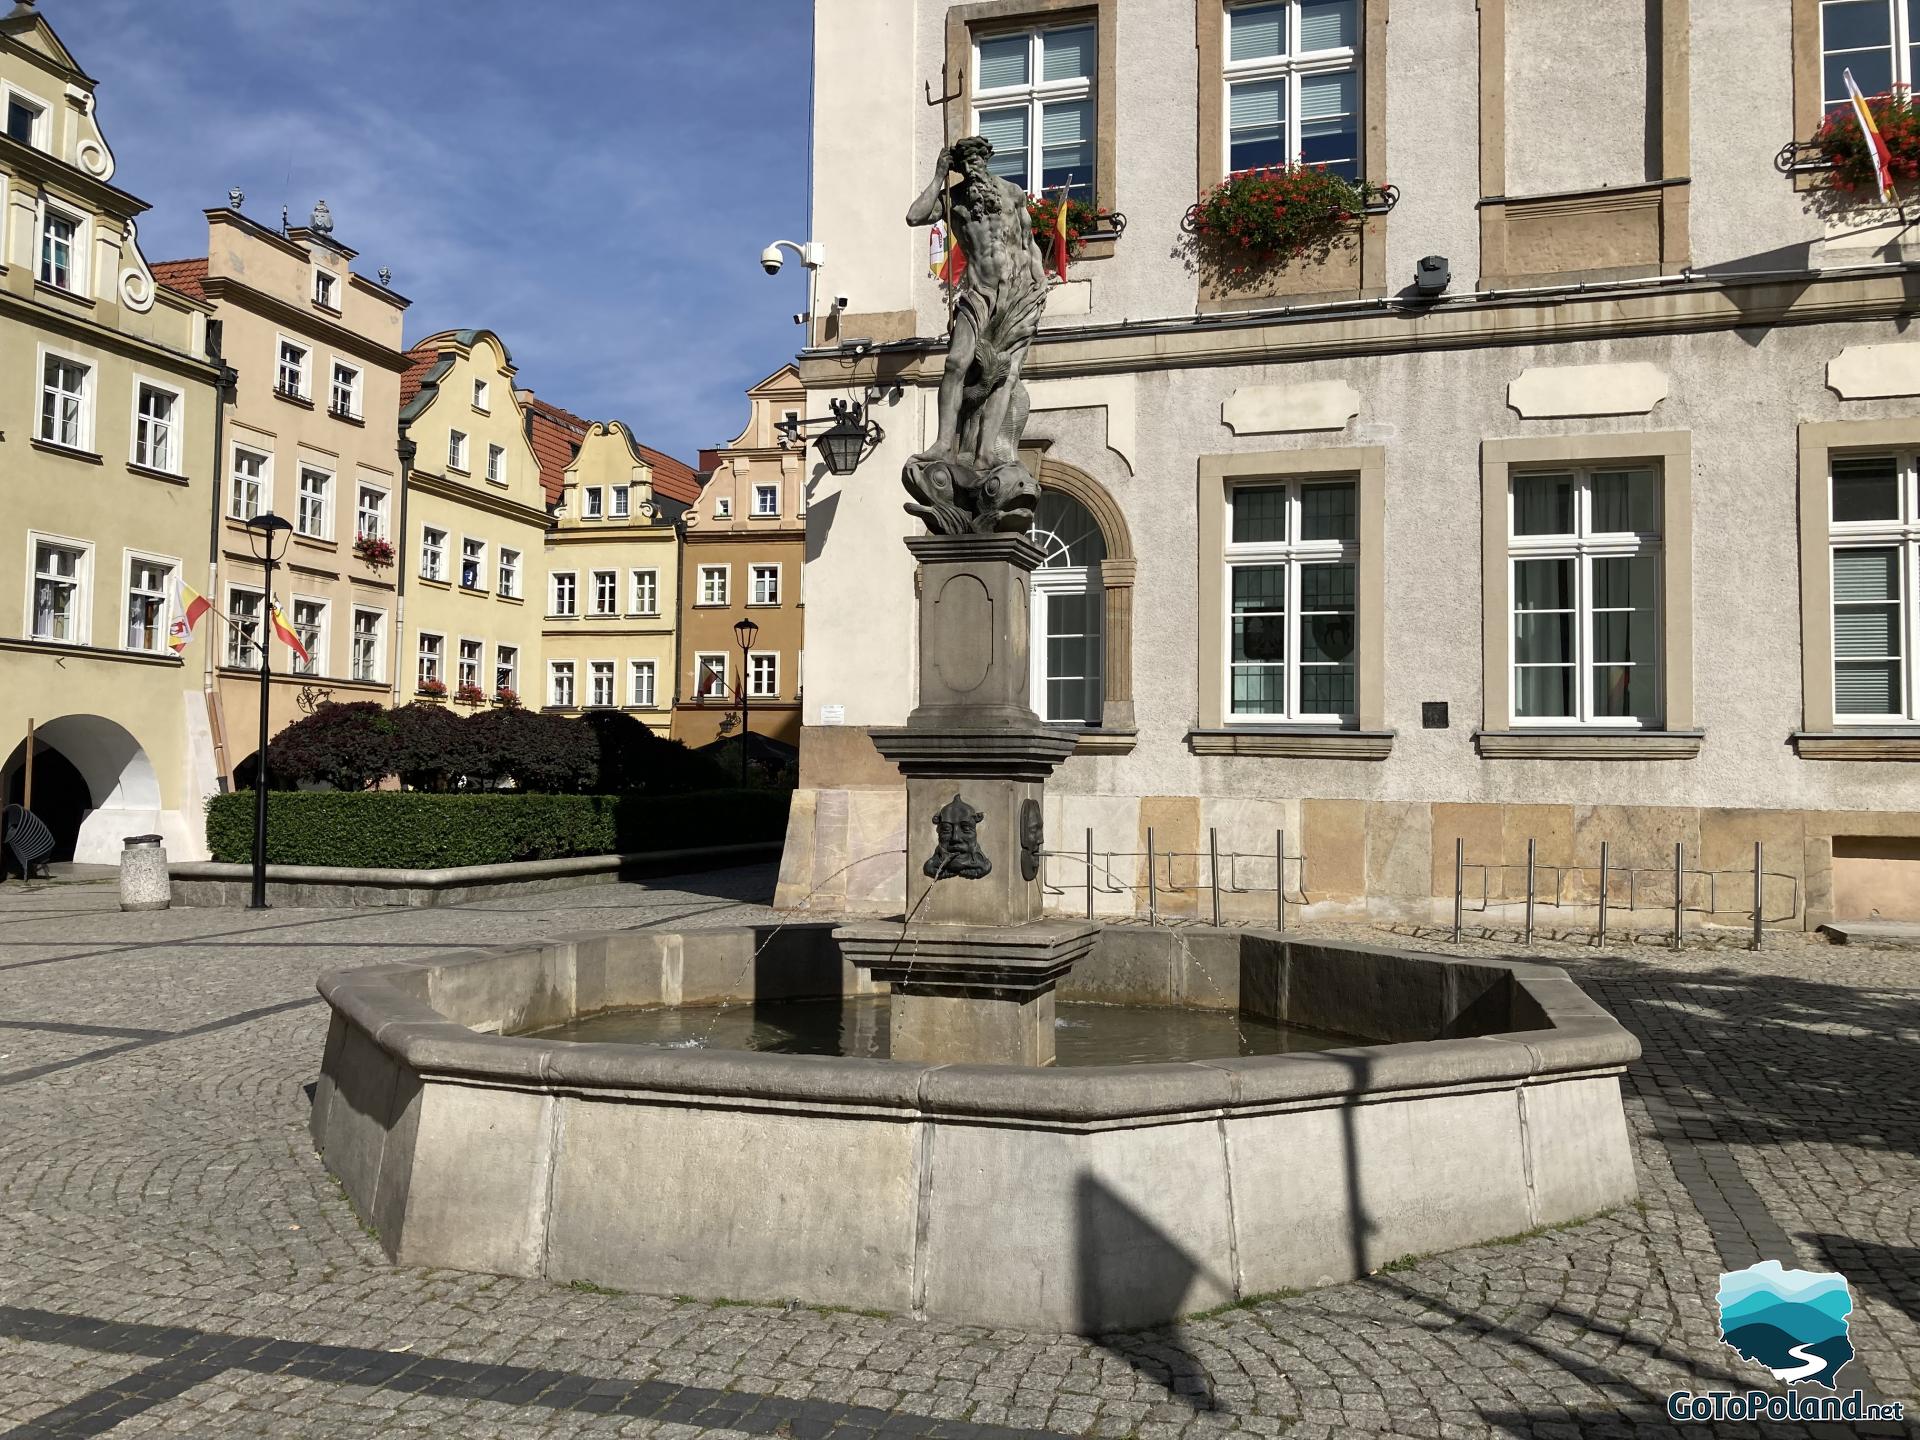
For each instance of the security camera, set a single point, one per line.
(839, 302)
(800, 317)
(771, 259)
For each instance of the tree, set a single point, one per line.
(347, 746)
(536, 752)
(427, 749)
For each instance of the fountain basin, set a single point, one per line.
(1088, 1199)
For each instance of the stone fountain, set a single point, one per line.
(475, 1119)
(973, 976)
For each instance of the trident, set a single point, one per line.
(946, 195)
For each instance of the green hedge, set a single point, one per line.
(402, 830)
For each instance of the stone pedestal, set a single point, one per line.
(144, 884)
(972, 994)
(974, 965)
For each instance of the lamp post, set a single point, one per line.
(745, 632)
(261, 531)
(847, 440)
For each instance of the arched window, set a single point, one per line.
(1068, 603)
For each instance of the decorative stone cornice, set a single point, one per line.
(1294, 743)
(1875, 744)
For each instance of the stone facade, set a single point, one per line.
(745, 540)
(107, 420)
(1687, 336)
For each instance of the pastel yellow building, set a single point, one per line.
(612, 584)
(310, 437)
(474, 521)
(106, 479)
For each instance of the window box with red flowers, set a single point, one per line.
(376, 550)
(1284, 229)
(470, 695)
(1840, 154)
(506, 699)
(431, 689)
(1084, 223)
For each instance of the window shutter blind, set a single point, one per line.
(1257, 105)
(1257, 33)
(1002, 61)
(1325, 96)
(1867, 689)
(1067, 54)
(1865, 575)
(1326, 25)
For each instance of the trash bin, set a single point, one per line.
(143, 874)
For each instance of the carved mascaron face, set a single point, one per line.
(958, 851)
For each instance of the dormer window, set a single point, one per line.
(480, 393)
(620, 505)
(26, 120)
(457, 450)
(590, 500)
(723, 508)
(326, 290)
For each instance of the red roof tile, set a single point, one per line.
(186, 276)
(424, 358)
(555, 435)
(672, 478)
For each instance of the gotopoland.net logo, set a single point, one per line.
(1793, 1322)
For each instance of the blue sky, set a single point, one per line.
(593, 179)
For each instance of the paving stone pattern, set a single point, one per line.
(174, 1260)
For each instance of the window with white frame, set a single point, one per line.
(147, 581)
(1585, 587)
(763, 675)
(310, 623)
(1292, 563)
(310, 515)
(456, 450)
(1067, 611)
(61, 255)
(620, 502)
(564, 593)
(290, 371)
(433, 553)
(247, 492)
(1033, 99)
(326, 290)
(497, 464)
(472, 656)
(156, 440)
(710, 675)
(590, 501)
(1879, 40)
(1875, 523)
(480, 393)
(1292, 78)
(600, 683)
(766, 584)
(560, 684)
(766, 499)
(370, 513)
(606, 592)
(646, 592)
(713, 584)
(430, 661)
(62, 579)
(66, 402)
(723, 507)
(344, 400)
(473, 563)
(243, 626)
(367, 627)
(26, 120)
(640, 689)
(506, 669)
(509, 572)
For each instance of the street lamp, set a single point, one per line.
(845, 443)
(261, 531)
(745, 632)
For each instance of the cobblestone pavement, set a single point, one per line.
(174, 1260)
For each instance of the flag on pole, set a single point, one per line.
(1870, 132)
(286, 633)
(1060, 234)
(185, 606)
(945, 259)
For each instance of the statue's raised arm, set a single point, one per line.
(971, 480)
